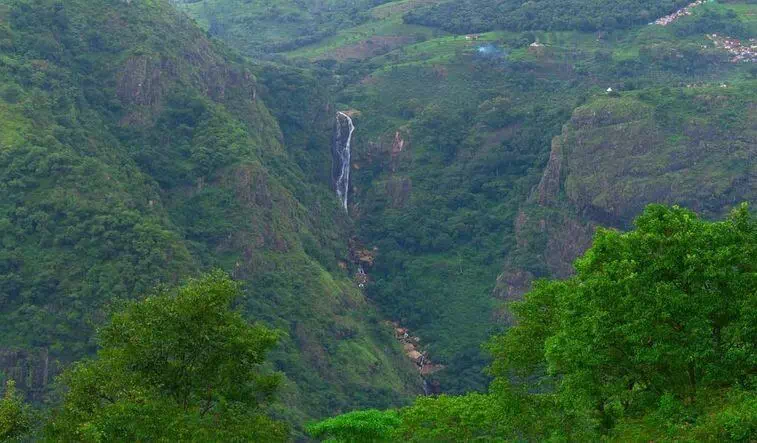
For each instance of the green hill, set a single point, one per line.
(259, 27)
(558, 15)
(136, 152)
(689, 146)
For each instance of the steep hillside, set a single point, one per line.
(136, 152)
(259, 27)
(557, 15)
(691, 146)
(454, 134)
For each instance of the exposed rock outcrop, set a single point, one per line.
(362, 255)
(391, 149)
(549, 187)
(412, 349)
(32, 369)
(398, 189)
(143, 82)
(615, 156)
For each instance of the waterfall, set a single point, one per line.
(342, 156)
(426, 387)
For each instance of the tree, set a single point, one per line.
(15, 415)
(653, 339)
(179, 365)
(360, 426)
(665, 311)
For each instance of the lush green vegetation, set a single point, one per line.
(479, 125)
(179, 365)
(16, 418)
(583, 15)
(136, 152)
(652, 339)
(260, 27)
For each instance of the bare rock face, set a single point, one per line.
(512, 284)
(549, 187)
(144, 81)
(399, 144)
(141, 86)
(619, 156)
(32, 369)
(545, 231)
(361, 255)
(552, 237)
(566, 243)
(615, 156)
(140, 81)
(411, 348)
(398, 189)
(391, 150)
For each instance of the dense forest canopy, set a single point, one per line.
(180, 365)
(557, 15)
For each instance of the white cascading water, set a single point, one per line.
(342, 156)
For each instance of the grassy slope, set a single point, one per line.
(135, 152)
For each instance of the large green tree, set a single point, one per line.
(667, 309)
(15, 416)
(178, 365)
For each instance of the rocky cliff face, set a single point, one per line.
(622, 154)
(391, 152)
(618, 154)
(143, 80)
(33, 369)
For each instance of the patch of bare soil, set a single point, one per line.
(400, 8)
(368, 48)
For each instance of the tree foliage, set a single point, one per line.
(15, 415)
(259, 27)
(179, 365)
(667, 307)
(360, 426)
(555, 15)
(654, 338)
(111, 184)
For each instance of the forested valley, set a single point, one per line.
(378, 220)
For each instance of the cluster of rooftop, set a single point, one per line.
(742, 51)
(683, 12)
